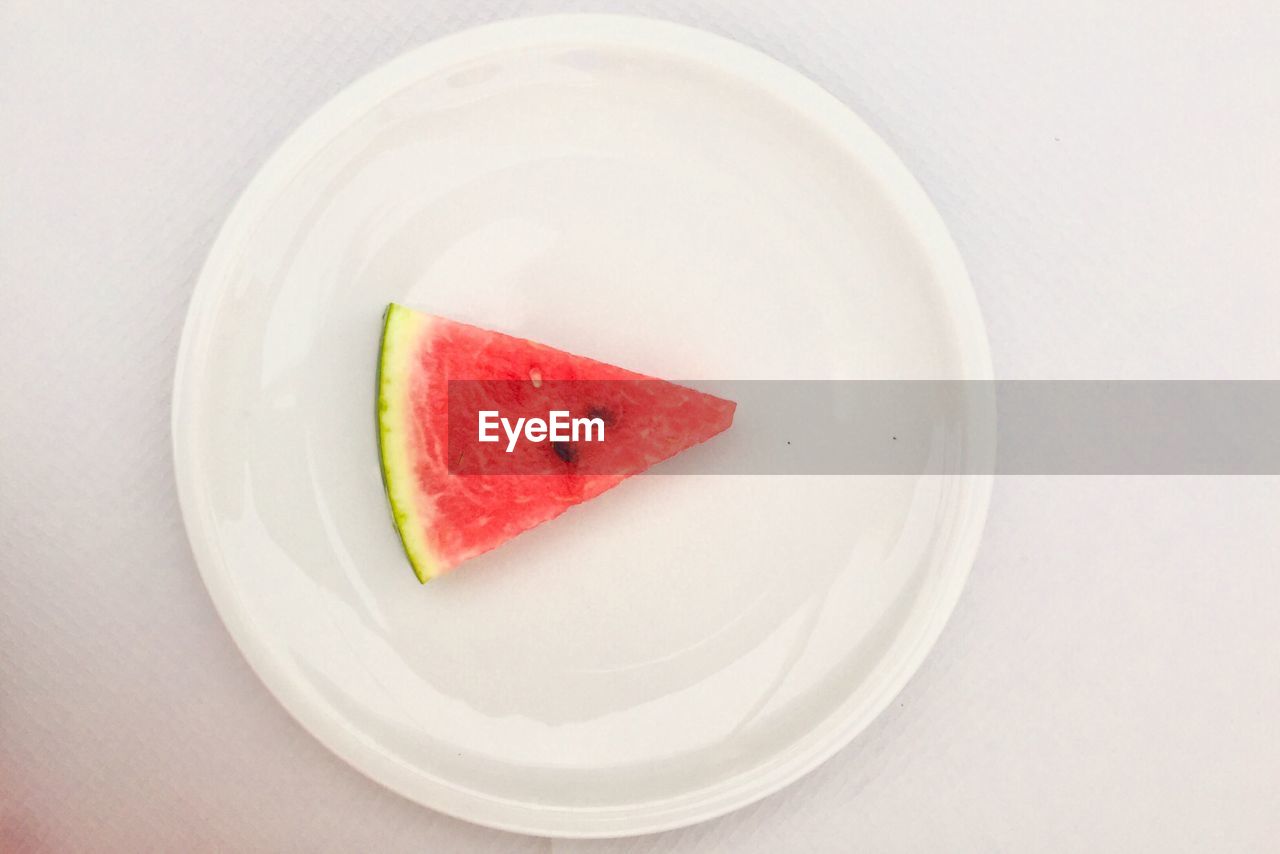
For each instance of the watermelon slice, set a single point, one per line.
(452, 497)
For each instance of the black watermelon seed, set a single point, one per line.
(565, 451)
(603, 413)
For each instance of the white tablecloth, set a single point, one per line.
(1111, 679)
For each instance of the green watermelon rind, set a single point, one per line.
(402, 331)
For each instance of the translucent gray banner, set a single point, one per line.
(1002, 427)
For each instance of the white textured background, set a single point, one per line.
(1111, 679)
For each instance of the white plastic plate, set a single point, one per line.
(645, 194)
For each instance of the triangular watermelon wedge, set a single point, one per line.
(445, 512)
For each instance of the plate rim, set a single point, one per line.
(746, 64)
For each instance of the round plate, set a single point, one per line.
(642, 193)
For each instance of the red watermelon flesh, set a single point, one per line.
(454, 497)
